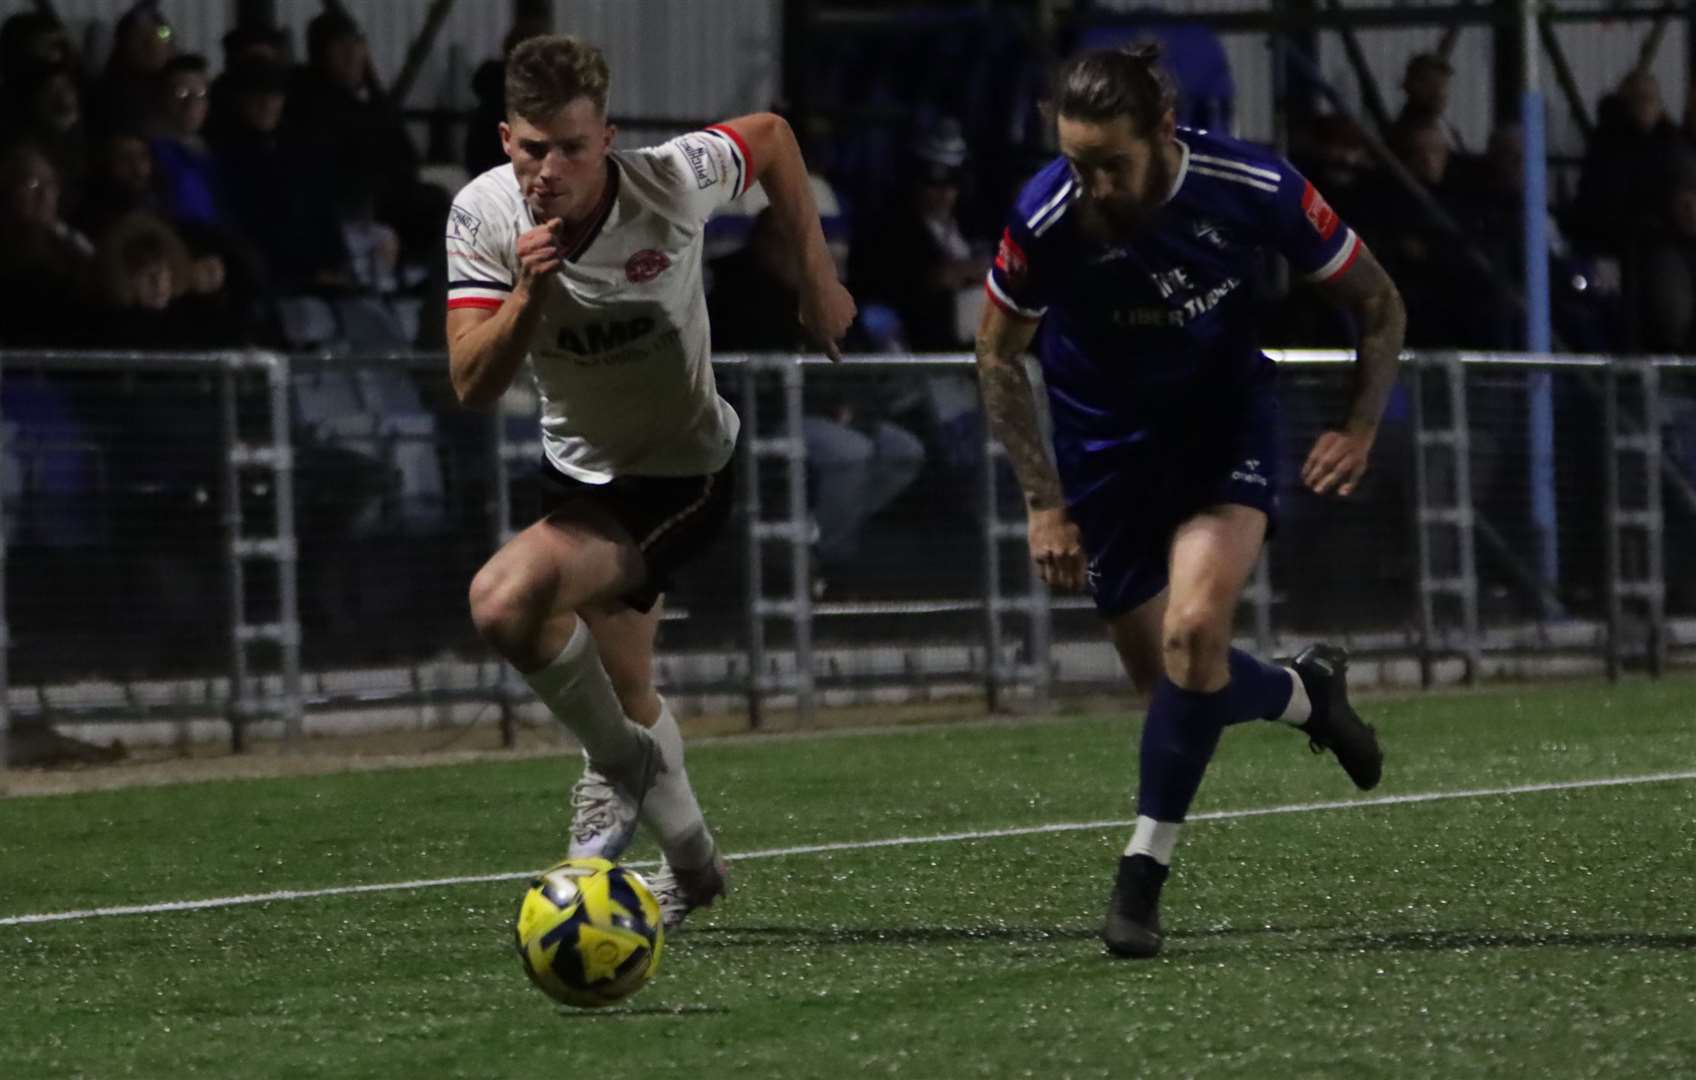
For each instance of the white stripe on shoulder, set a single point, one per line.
(1060, 199)
(1227, 163)
(1238, 178)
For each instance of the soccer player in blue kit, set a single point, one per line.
(1130, 260)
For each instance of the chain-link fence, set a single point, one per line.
(253, 538)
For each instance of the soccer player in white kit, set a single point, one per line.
(584, 263)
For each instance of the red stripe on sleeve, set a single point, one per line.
(474, 302)
(747, 157)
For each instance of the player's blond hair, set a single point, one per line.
(547, 73)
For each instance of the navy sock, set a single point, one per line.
(1258, 690)
(1178, 740)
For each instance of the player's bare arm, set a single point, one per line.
(487, 347)
(1339, 457)
(1056, 547)
(826, 308)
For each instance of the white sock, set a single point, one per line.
(671, 809)
(1155, 839)
(575, 688)
(1300, 706)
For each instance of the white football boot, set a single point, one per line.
(605, 809)
(682, 891)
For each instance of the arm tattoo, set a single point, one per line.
(1013, 419)
(1383, 324)
(1367, 291)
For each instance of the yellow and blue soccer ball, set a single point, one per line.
(589, 932)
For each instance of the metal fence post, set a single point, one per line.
(1644, 582)
(500, 531)
(800, 539)
(992, 600)
(239, 707)
(5, 629)
(287, 555)
(753, 545)
(1453, 516)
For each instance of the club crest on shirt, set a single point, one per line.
(1208, 231)
(646, 265)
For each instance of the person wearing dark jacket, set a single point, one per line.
(282, 202)
(916, 260)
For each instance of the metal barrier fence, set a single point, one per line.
(260, 538)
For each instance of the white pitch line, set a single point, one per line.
(857, 845)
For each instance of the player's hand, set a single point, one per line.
(1057, 549)
(1337, 461)
(540, 254)
(826, 312)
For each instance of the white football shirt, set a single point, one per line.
(621, 356)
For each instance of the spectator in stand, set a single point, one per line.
(915, 260)
(143, 43)
(482, 136)
(45, 108)
(1426, 84)
(1668, 299)
(249, 45)
(1619, 188)
(154, 294)
(33, 41)
(860, 461)
(282, 202)
(45, 264)
(121, 171)
(339, 112)
(1439, 282)
(183, 167)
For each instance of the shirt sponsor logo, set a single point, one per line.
(463, 225)
(603, 337)
(1319, 213)
(701, 162)
(646, 265)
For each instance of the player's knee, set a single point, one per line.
(1195, 639)
(505, 603)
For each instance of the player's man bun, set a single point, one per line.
(1104, 84)
(547, 73)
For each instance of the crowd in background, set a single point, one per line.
(154, 199)
(188, 205)
(152, 202)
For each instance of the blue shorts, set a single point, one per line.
(1131, 506)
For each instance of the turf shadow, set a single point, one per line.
(745, 936)
(1461, 940)
(630, 1011)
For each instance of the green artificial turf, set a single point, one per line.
(1536, 934)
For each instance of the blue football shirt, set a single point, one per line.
(1157, 331)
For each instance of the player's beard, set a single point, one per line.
(1122, 217)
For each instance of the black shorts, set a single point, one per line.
(673, 519)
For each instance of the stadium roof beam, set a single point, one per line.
(419, 50)
(1378, 18)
